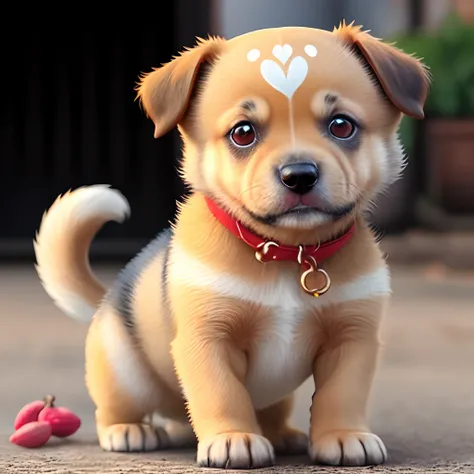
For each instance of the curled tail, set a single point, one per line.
(62, 246)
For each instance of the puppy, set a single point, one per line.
(270, 274)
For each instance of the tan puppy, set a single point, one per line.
(289, 134)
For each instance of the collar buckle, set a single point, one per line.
(262, 250)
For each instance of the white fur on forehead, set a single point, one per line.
(284, 78)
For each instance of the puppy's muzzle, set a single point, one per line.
(300, 178)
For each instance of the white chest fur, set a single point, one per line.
(282, 294)
(279, 362)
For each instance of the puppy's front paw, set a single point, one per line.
(348, 448)
(236, 451)
(125, 437)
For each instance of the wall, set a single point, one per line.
(233, 17)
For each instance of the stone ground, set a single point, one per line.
(422, 405)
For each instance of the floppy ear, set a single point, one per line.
(165, 92)
(404, 79)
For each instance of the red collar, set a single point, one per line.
(266, 250)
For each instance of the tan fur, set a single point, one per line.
(82, 278)
(117, 408)
(273, 421)
(209, 345)
(393, 68)
(165, 92)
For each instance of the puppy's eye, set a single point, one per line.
(243, 134)
(342, 127)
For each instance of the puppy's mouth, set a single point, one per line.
(302, 212)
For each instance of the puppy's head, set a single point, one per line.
(289, 128)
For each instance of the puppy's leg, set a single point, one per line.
(211, 371)
(343, 375)
(121, 386)
(179, 432)
(274, 422)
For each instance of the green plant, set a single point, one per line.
(449, 55)
(407, 133)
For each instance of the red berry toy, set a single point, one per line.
(62, 420)
(39, 420)
(28, 413)
(32, 435)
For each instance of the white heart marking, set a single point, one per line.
(275, 76)
(282, 53)
(311, 50)
(253, 55)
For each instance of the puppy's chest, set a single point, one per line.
(280, 357)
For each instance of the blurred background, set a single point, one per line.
(69, 118)
(69, 115)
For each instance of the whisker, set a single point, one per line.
(345, 185)
(371, 204)
(251, 188)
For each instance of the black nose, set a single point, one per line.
(299, 177)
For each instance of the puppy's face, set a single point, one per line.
(295, 128)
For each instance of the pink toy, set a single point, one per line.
(62, 420)
(37, 421)
(28, 413)
(32, 435)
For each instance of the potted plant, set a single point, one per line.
(465, 9)
(446, 147)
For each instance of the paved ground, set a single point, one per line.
(423, 402)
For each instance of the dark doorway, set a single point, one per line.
(69, 118)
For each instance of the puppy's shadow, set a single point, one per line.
(409, 451)
(90, 448)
